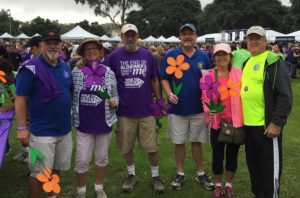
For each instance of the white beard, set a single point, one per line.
(53, 56)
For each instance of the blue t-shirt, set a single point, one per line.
(54, 117)
(189, 102)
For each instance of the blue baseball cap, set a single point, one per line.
(188, 26)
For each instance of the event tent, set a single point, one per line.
(161, 39)
(213, 37)
(36, 34)
(22, 36)
(77, 33)
(150, 39)
(116, 38)
(172, 39)
(271, 35)
(105, 38)
(6, 36)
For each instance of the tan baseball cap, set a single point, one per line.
(256, 30)
(129, 27)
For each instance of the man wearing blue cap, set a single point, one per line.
(182, 68)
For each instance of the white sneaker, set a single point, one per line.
(80, 195)
(100, 194)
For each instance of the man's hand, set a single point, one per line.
(23, 136)
(173, 98)
(272, 130)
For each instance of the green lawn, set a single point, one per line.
(13, 175)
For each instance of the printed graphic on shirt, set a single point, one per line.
(134, 68)
(90, 100)
(66, 74)
(256, 67)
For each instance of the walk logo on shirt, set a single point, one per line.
(133, 83)
(66, 74)
(256, 67)
(134, 67)
(90, 100)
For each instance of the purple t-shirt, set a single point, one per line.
(134, 72)
(92, 107)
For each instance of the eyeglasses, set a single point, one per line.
(92, 49)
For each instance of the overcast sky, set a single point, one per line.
(65, 11)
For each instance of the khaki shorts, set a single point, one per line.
(187, 128)
(143, 129)
(57, 151)
(86, 145)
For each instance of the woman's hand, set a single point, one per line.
(211, 113)
(112, 103)
(173, 98)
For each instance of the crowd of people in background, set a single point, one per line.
(100, 81)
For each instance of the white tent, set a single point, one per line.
(22, 36)
(296, 35)
(172, 39)
(77, 33)
(36, 34)
(116, 38)
(213, 37)
(161, 39)
(6, 35)
(105, 38)
(271, 35)
(150, 39)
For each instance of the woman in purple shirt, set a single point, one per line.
(95, 100)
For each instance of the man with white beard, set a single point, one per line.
(43, 91)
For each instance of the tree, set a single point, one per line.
(239, 14)
(7, 22)
(164, 17)
(40, 25)
(94, 27)
(294, 15)
(113, 9)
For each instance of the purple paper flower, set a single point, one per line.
(160, 108)
(210, 87)
(94, 73)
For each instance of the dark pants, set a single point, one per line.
(264, 160)
(218, 149)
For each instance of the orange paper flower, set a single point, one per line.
(50, 181)
(2, 79)
(176, 66)
(230, 89)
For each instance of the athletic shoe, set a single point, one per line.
(218, 192)
(177, 183)
(129, 182)
(100, 194)
(205, 182)
(157, 185)
(228, 192)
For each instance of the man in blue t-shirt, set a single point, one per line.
(182, 68)
(43, 90)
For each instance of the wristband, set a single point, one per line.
(21, 128)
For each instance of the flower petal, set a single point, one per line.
(47, 172)
(216, 93)
(184, 66)
(179, 59)
(47, 187)
(2, 73)
(229, 82)
(208, 80)
(224, 95)
(178, 73)
(209, 94)
(235, 85)
(171, 61)
(204, 86)
(42, 178)
(233, 92)
(215, 85)
(3, 80)
(55, 178)
(170, 69)
(56, 187)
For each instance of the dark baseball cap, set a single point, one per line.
(188, 26)
(51, 35)
(34, 41)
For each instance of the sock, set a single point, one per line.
(200, 173)
(81, 189)
(154, 171)
(131, 169)
(98, 187)
(53, 196)
(228, 184)
(180, 173)
(218, 184)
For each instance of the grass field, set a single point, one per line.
(13, 175)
